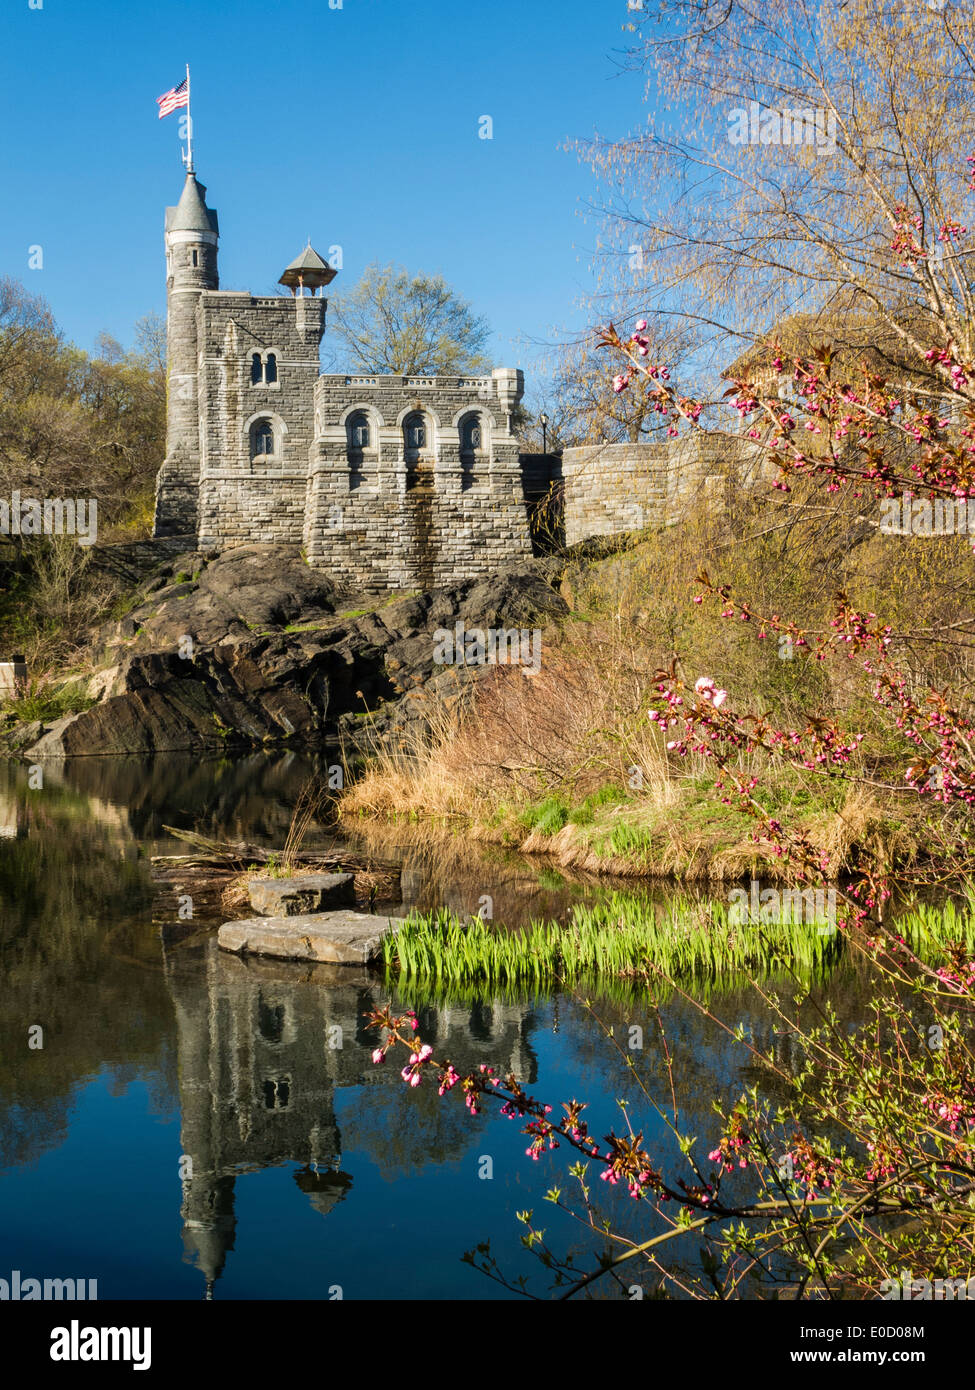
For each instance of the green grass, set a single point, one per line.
(626, 936)
(629, 842)
(609, 795)
(334, 620)
(925, 927)
(623, 936)
(545, 817)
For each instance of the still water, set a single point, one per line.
(198, 1125)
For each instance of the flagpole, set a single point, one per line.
(189, 125)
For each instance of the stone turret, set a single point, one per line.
(191, 269)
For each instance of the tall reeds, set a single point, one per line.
(628, 936)
(625, 936)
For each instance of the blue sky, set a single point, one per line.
(355, 126)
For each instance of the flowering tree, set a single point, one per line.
(786, 146)
(865, 1161)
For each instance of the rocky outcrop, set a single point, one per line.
(255, 648)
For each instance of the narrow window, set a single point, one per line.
(414, 437)
(262, 439)
(196, 258)
(257, 370)
(470, 435)
(271, 368)
(358, 432)
(270, 1020)
(277, 1093)
(470, 443)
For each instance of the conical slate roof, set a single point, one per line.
(191, 213)
(309, 269)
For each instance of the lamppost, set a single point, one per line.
(544, 432)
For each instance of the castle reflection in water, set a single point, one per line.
(263, 1046)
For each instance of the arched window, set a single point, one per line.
(262, 439)
(264, 369)
(470, 436)
(470, 444)
(358, 428)
(414, 436)
(270, 1020)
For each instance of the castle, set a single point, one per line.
(387, 482)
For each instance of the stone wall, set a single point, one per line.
(274, 460)
(611, 488)
(375, 521)
(191, 271)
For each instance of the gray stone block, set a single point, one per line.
(291, 897)
(337, 938)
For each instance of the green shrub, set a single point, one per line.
(547, 817)
(41, 698)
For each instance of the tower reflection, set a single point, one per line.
(263, 1046)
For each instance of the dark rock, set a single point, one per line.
(276, 654)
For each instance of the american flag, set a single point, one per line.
(172, 100)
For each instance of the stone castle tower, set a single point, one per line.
(191, 267)
(386, 481)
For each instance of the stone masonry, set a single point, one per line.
(611, 488)
(376, 518)
(387, 482)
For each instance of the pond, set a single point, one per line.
(176, 1122)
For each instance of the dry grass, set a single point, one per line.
(369, 885)
(563, 735)
(579, 726)
(863, 825)
(524, 735)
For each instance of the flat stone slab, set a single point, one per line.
(290, 897)
(338, 938)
